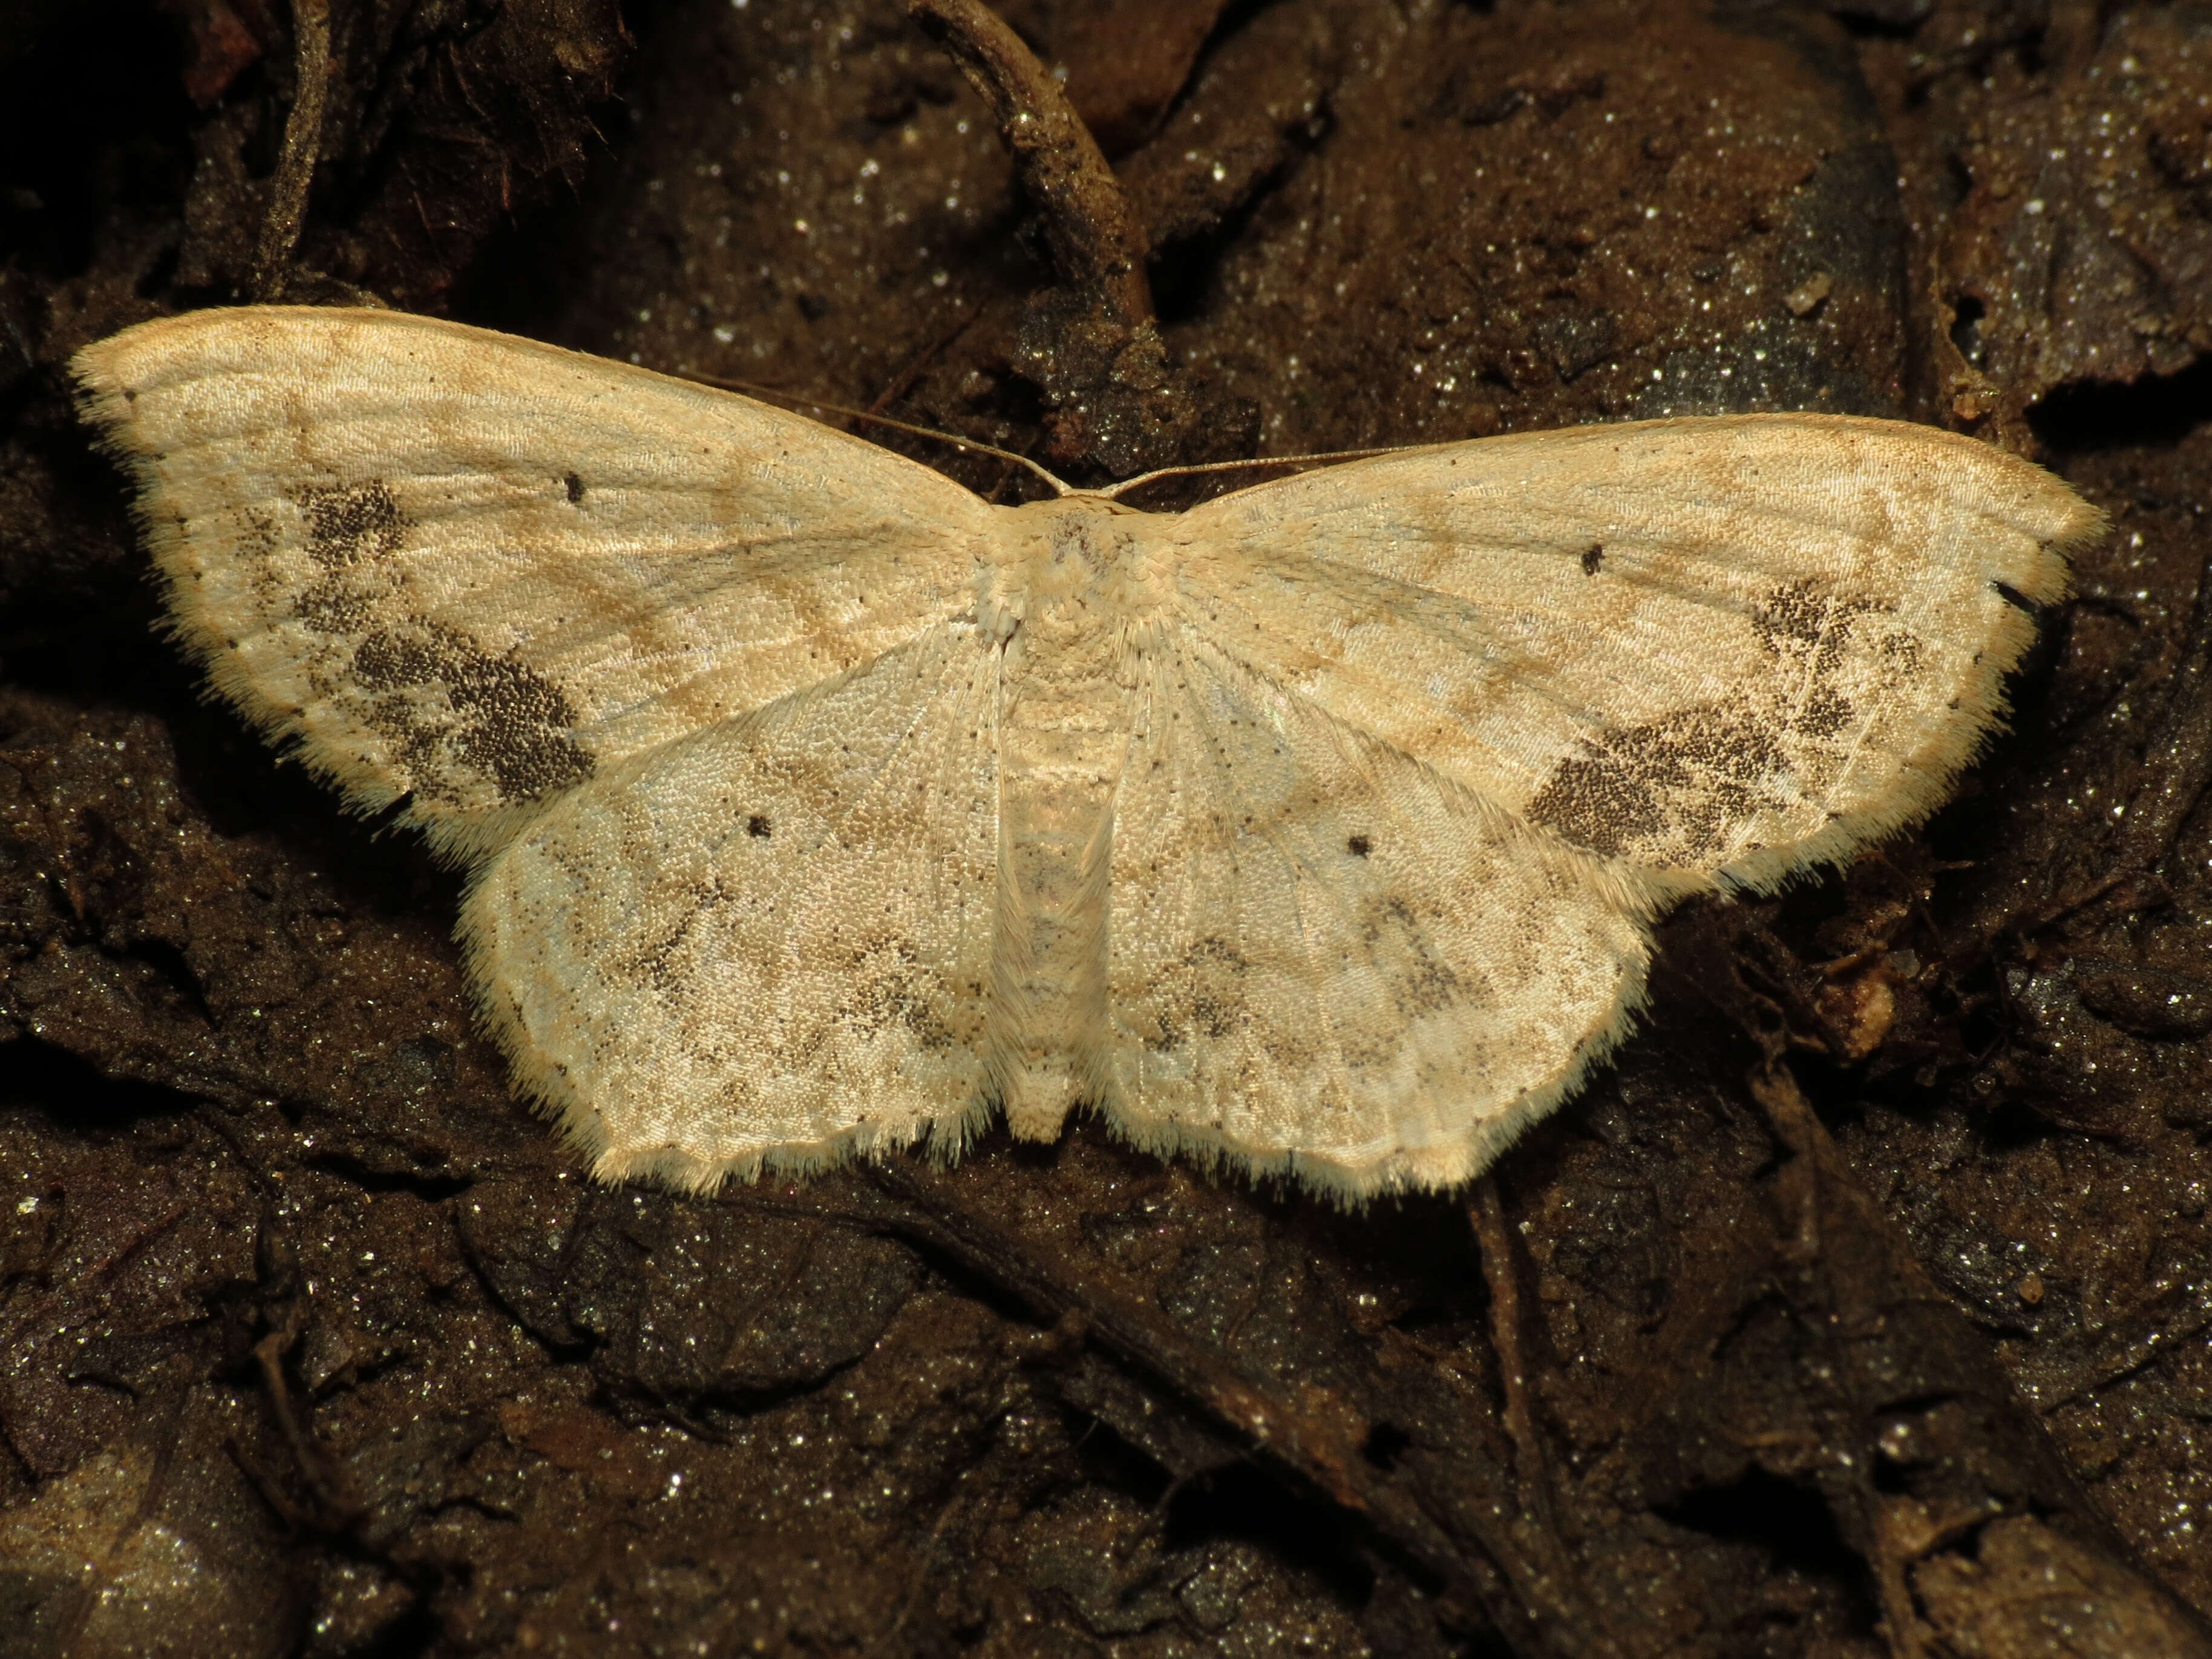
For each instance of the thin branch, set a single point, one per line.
(1533, 1475)
(303, 143)
(1096, 241)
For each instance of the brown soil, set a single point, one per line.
(311, 1342)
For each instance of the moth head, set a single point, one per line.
(1078, 551)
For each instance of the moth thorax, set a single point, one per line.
(1080, 559)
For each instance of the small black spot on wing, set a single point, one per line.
(759, 826)
(575, 486)
(1359, 847)
(1593, 558)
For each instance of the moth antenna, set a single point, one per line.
(753, 389)
(1323, 458)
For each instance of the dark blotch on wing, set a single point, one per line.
(1678, 783)
(508, 722)
(348, 523)
(1679, 787)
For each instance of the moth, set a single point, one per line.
(813, 806)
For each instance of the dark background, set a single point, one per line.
(1861, 1308)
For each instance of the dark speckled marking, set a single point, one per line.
(256, 537)
(1359, 847)
(575, 486)
(1398, 943)
(1215, 998)
(509, 723)
(1687, 778)
(1793, 620)
(1824, 712)
(1593, 558)
(891, 988)
(1681, 785)
(331, 607)
(654, 960)
(759, 826)
(348, 523)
